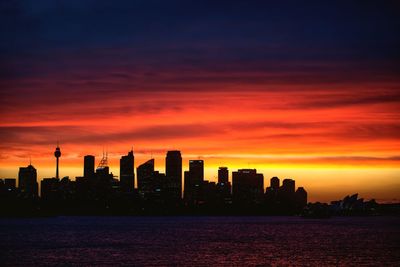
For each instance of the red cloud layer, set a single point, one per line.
(247, 117)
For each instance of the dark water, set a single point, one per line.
(238, 241)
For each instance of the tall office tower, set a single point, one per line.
(274, 183)
(287, 193)
(127, 175)
(223, 175)
(27, 181)
(272, 192)
(88, 166)
(196, 169)
(223, 185)
(301, 197)
(288, 186)
(57, 154)
(193, 181)
(173, 172)
(145, 173)
(247, 186)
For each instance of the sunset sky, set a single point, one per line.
(307, 90)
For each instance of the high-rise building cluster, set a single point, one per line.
(99, 190)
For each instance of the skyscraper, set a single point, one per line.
(145, 173)
(301, 197)
(127, 175)
(247, 186)
(196, 170)
(193, 181)
(287, 193)
(173, 171)
(88, 166)
(27, 181)
(288, 186)
(223, 175)
(223, 185)
(274, 183)
(272, 193)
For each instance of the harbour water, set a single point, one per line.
(199, 241)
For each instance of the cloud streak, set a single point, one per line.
(272, 84)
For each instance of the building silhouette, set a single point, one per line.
(194, 179)
(288, 186)
(284, 199)
(57, 154)
(272, 193)
(85, 185)
(151, 186)
(127, 175)
(247, 187)
(223, 187)
(173, 173)
(223, 175)
(10, 184)
(209, 193)
(301, 198)
(145, 173)
(88, 166)
(27, 182)
(158, 194)
(99, 192)
(49, 189)
(287, 194)
(8, 188)
(275, 183)
(67, 192)
(9, 197)
(101, 184)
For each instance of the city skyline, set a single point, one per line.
(99, 191)
(199, 133)
(306, 90)
(96, 163)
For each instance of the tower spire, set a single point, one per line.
(57, 154)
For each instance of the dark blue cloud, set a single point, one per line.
(37, 35)
(80, 23)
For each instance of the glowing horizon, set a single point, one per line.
(315, 97)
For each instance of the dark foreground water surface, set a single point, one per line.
(155, 241)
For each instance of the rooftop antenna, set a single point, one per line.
(104, 161)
